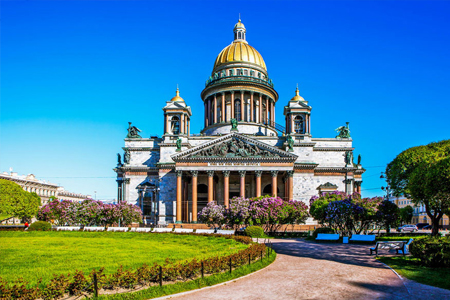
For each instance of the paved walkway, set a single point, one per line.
(308, 270)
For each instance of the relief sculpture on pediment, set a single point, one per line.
(235, 148)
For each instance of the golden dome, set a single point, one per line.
(240, 51)
(239, 24)
(177, 97)
(297, 96)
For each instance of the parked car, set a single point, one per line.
(422, 225)
(411, 228)
(428, 227)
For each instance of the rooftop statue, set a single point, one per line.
(290, 142)
(119, 160)
(359, 159)
(133, 131)
(234, 125)
(127, 156)
(343, 132)
(178, 144)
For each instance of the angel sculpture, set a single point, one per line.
(343, 132)
(133, 131)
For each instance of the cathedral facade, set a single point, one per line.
(241, 150)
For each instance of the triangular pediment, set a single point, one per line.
(234, 147)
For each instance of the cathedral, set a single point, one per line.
(241, 150)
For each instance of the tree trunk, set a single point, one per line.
(435, 218)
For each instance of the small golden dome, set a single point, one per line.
(297, 96)
(239, 24)
(240, 51)
(177, 97)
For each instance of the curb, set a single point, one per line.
(213, 286)
(398, 275)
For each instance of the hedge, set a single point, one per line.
(254, 232)
(40, 226)
(432, 251)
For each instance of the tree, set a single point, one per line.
(387, 214)
(416, 172)
(16, 202)
(406, 214)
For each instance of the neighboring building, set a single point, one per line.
(420, 214)
(241, 150)
(42, 188)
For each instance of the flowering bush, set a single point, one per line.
(267, 212)
(347, 214)
(89, 212)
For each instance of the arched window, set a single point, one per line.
(231, 72)
(202, 188)
(237, 109)
(219, 111)
(252, 73)
(175, 125)
(245, 72)
(298, 124)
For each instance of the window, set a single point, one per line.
(237, 109)
(298, 124)
(175, 125)
(245, 72)
(231, 72)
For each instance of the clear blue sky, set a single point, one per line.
(73, 73)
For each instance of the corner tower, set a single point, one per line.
(240, 88)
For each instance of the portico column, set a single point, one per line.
(242, 183)
(194, 196)
(226, 188)
(242, 106)
(292, 124)
(258, 183)
(206, 114)
(290, 175)
(223, 107)
(178, 216)
(210, 185)
(232, 104)
(267, 111)
(215, 108)
(274, 182)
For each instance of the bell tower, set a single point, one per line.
(298, 116)
(177, 117)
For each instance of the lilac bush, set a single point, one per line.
(267, 212)
(89, 212)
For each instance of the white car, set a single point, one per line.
(412, 228)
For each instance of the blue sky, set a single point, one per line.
(73, 73)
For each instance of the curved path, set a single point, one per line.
(308, 270)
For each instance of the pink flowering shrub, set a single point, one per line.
(267, 212)
(89, 212)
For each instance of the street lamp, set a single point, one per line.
(386, 188)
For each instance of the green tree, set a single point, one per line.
(14, 201)
(388, 214)
(406, 214)
(416, 172)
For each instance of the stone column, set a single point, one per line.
(267, 110)
(210, 185)
(242, 106)
(226, 188)
(223, 107)
(290, 175)
(242, 183)
(232, 104)
(274, 182)
(215, 108)
(251, 108)
(167, 124)
(194, 196)
(258, 183)
(260, 109)
(273, 112)
(178, 216)
(206, 114)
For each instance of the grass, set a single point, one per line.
(409, 267)
(180, 287)
(34, 255)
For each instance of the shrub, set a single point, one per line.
(254, 232)
(40, 226)
(432, 251)
(322, 230)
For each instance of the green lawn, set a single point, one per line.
(399, 238)
(34, 255)
(408, 267)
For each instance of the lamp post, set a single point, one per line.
(386, 188)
